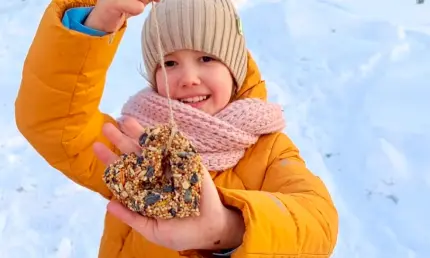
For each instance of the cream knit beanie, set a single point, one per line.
(210, 26)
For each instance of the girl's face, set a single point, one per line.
(196, 79)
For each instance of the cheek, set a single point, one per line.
(160, 85)
(222, 92)
(222, 86)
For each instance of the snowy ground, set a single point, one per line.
(352, 76)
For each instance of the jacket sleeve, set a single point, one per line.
(293, 214)
(56, 108)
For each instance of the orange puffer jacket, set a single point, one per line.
(288, 211)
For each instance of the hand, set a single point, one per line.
(216, 228)
(110, 15)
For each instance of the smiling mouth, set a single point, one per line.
(194, 100)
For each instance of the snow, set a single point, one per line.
(352, 78)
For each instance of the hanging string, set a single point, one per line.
(161, 57)
(163, 68)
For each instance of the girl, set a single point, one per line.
(258, 200)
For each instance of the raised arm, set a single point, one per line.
(57, 107)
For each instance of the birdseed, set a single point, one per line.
(161, 182)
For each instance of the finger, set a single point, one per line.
(141, 224)
(124, 143)
(131, 127)
(104, 154)
(146, 2)
(209, 194)
(132, 8)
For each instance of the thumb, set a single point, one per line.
(131, 7)
(210, 199)
(141, 224)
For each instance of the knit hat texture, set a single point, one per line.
(209, 26)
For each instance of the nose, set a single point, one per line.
(189, 76)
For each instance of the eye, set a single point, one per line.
(207, 59)
(169, 63)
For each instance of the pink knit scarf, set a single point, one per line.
(220, 139)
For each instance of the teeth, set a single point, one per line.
(194, 99)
